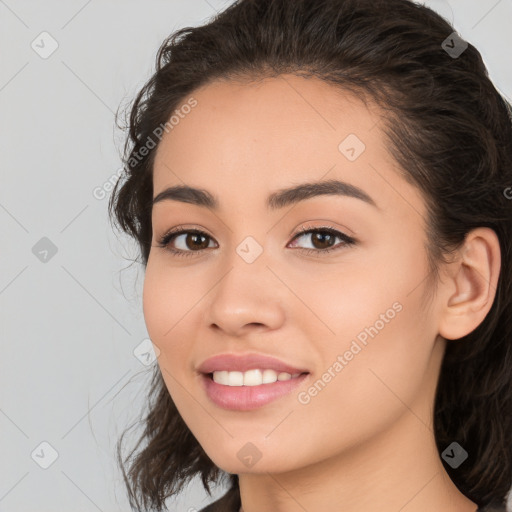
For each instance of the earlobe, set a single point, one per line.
(471, 289)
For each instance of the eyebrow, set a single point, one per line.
(276, 200)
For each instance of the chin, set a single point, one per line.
(247, 460)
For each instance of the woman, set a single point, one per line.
(321, 193)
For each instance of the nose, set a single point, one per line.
(247, 297)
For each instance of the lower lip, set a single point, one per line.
(247, 398)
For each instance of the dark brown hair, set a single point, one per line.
(450, 132)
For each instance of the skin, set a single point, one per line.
(365, 441)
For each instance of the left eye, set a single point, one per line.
(322, 239)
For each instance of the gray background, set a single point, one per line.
(73, 373)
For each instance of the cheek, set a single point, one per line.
(166, 298)
(377, 380)
(371, 317)
(166, 303)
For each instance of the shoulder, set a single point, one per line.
(229, 502)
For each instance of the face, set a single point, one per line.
(345, 305)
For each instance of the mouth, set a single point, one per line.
(255, 377)
(253, 389)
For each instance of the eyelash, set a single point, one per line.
(165, 240)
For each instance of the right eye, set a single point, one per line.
(194, 237)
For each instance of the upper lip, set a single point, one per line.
(246, 362)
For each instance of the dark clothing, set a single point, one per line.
(230, 502)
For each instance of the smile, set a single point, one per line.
(251, 377)
(245, 397)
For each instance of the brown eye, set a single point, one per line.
(193, 241)
(323, 239)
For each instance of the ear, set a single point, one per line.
(469, 293)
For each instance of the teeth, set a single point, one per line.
(251, 377)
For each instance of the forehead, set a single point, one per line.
(279, 118)
(277, 111)
(266, 135)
